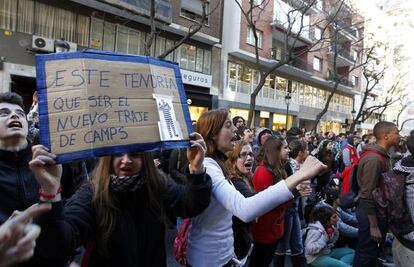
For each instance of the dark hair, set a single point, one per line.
(350, 139)
(235, 119)
(241, 129)
(295, 131)
(11, 98)
(296, 146)
(322, 213)
(341, 135)
(106, 203)
(410, 142)
(270, 154)
(383, 127)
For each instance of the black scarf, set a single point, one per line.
(127, 183)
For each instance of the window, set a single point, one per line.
(96, 37)
(193, 9)
(355, 80)
(168, 45)
(25, 16)
(187, 56)
(109, 36)
(207, 62)
(317, 64)
(8, 12)
(159, 46)
(128, 40)
(199, 60)
(277, 53)
(250, 37)
(318, 33)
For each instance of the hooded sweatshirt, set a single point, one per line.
(370, 168)
(318, 243)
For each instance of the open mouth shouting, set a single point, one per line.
(248, 165)
(15, 124)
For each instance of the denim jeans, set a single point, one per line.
(367, 250)
(339, 257)
(291, 242)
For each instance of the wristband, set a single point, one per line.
(49, 196)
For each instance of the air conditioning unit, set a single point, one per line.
(73, 47)
(43, 44)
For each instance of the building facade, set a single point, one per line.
(307, 79)
(32, 26)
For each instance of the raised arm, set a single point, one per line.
(249, 208)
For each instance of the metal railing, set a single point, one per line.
(341, 25)
(342, 79)
(342, 52)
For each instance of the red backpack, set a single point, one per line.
(349, 186)
(180, 242)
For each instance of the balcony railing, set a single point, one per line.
(303, 65)
(346, 28)
(342, 52)
(342, 79)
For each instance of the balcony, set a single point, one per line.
(304, 65)
(343, 59)
(342, 79)
(346, 30)
(281, 24)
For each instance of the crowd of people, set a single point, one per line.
(253, 196)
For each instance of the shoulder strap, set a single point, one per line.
(384, 160)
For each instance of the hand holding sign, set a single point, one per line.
(195, 154)
(46, 171)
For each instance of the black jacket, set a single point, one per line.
(18, 186)
(241, 231)
(138, 237)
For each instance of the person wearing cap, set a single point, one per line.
(262, 135)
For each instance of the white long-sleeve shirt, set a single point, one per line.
(210, 242)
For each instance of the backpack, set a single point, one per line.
(389, 198)
(180, 242)
(349, 186)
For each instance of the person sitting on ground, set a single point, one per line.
(121, 214)
(321, 236)
(347, 222)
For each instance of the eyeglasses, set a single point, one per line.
(244, 155)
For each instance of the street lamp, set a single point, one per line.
(61, 46)
(288, 98)
(353, 112)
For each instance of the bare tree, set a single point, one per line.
(192, 30)
(336, 49)
(404, 103)
(294, 27)
(393, 95)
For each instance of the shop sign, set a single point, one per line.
(195, 78)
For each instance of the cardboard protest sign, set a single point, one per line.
(95, 103)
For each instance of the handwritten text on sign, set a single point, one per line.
(95, 103)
